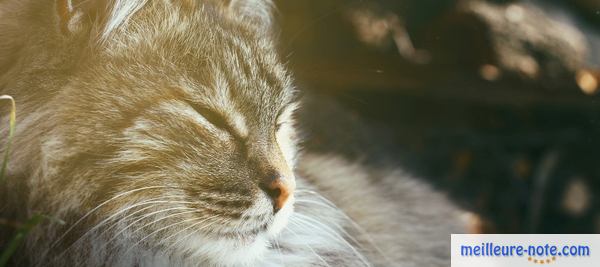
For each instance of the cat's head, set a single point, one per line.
(184, 112)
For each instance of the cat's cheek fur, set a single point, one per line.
(243, 251)
(286, 138)
(281, 218)
(227, 252)
(108, 107)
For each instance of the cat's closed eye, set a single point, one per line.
(162, 133)
(284, 117)
(216, 119)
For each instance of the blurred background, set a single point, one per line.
(495, 102)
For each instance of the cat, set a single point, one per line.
(162, 133)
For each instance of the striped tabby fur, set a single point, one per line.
(144, 128)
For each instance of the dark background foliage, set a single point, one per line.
(494, 102)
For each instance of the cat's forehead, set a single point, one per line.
(243, 69)
(219, 63)
(258, 90)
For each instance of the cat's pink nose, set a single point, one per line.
(279, 189)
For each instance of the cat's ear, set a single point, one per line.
(255, 12)
(70, 14)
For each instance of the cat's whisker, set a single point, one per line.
(308, 202)
(328, 203)
(89, 213)
(308, 246)
(279, 252)
(189, 210)
(338, 227)
(127, 217)
(162, 228)
(152, 201)
(124, 210)
(97, 226)
(277, 247)
(188, 235)
(186, 211)
(359, 228)
(356, 226)
(308, 191)
(101, 205)
(335, 210)
(330, 232)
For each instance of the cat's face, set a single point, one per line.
(196, 120)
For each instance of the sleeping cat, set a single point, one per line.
(161, 133)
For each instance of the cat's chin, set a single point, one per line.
(281, 219)
(243, 250)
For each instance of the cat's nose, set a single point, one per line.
(278, 188)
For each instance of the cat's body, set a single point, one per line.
(161, 133)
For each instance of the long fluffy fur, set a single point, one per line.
(96, 130)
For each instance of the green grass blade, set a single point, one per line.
(18, 239)
(11, 131)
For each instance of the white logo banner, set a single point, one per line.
(525, 250)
